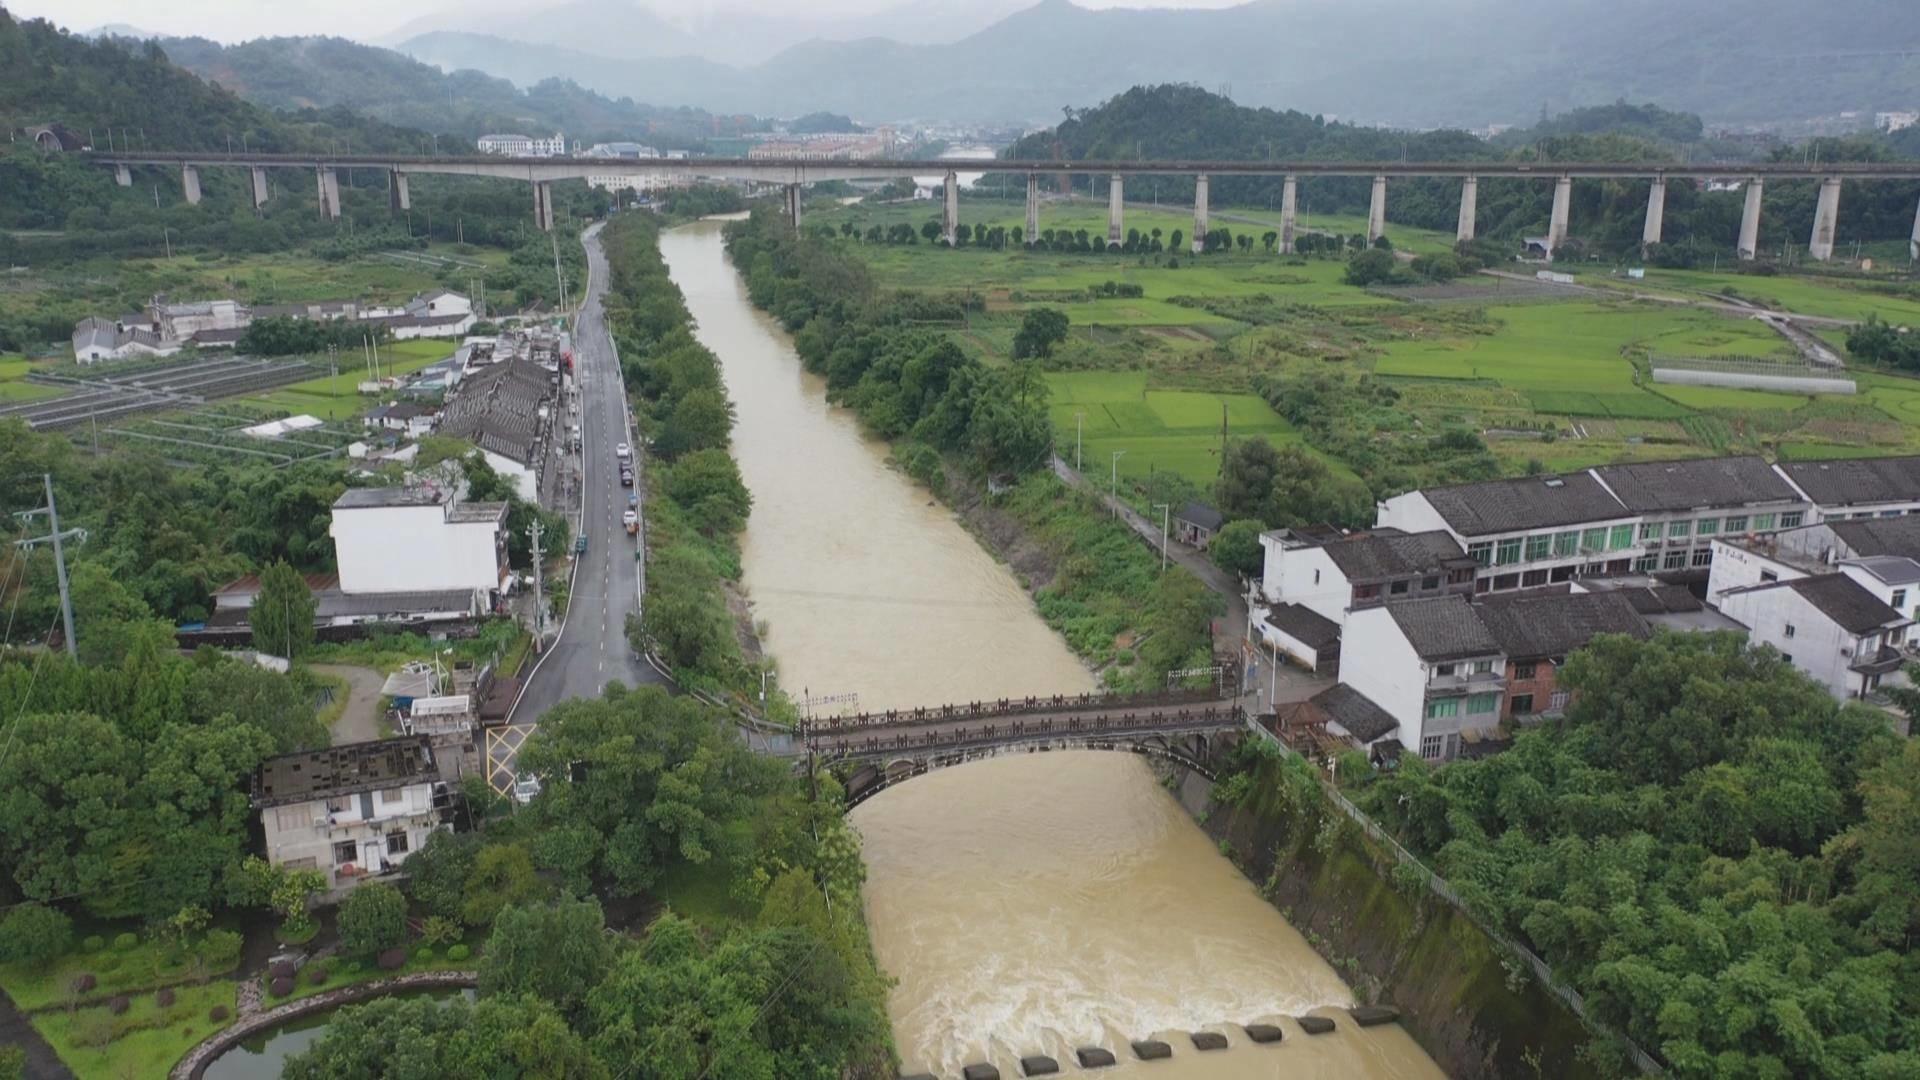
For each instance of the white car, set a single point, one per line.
(622, 450)
(525, 787)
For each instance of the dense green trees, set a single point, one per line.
(1236, 547)
(1877, 342)
(1719, 856)
(279, 336)
(415, 1038)
(1287, 485)
(1041, 328)
(34, 935)
(555, 952)
(282, 614)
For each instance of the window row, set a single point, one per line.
(1560, 545)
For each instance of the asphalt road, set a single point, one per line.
(592, 648)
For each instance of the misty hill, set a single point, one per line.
(1411, 63)
(625, 30)
(325, 72)
(91, 85)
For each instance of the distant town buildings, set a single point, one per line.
(1896, 121)
(860, 146)
(166, 327)
(515, 145)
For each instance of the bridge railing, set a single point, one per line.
(1004, 707)
(858, 743)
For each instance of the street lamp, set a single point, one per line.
(1114, 497)
(1078, 417)
(1165, 509)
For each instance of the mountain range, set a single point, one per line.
(1415, 64)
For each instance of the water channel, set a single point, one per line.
(1024, 904)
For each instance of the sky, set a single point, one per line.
(366, 20)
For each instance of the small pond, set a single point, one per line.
(261, 1056)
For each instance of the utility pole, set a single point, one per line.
(1115, 490)
(539, 604)
(1078, 417)
(59, 557)
(1165, 509)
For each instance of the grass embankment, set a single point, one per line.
(144, 1041)
(1553, 381)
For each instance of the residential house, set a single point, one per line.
(1537, 631)
(505, 408)
(1433, 666)
(1644, 517)
(1354, 716)
(439, 302)
(1877, 549)
(1829, 626)
(412, 540)
(409, 418)
(1857, 487)
(1196, 523)
(95, 340)
(1312, 579)
(353, 812)
(181, 321)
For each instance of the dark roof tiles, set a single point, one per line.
(1532, 502)
(1661, 486)
(1443, 628)
(1856, 480)
(1393, 553)
(1355, 712)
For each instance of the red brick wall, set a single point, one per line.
(1541, 686)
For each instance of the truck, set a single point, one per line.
(632, 521)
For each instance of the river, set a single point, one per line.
(1026, 904)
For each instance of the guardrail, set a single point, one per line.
(851, 745)
(1029, 706)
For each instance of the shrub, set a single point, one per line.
(424, 952)
(165, 997)
(34, 935)
(125, 942)
(217, 1014)
(459, 952)
(280, 987)
(83, 982)
(373, 919)
(351, 967)
(118, 1004)
(220, 950)
(281, 969)
(108, 962)
(93, 1029)
(392, 959)
(439, 930)
(317, 975)
(92, 943)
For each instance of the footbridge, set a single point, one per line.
(794, 172)
(875, 751)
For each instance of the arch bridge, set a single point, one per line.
(875, 751)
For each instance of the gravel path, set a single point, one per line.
(360, 721)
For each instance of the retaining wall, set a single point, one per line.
(194, 1065)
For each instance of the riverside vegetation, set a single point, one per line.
(959, 425)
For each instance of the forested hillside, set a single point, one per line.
(328, 72)
(1185, 122)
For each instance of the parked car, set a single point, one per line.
(633, 500)
(626, 477)
(632, 521)
(525, 787)
(623, 451)
(580, 544)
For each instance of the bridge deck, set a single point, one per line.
(880, 738)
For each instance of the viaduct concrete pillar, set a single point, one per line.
(950, 210)
(543, 205)
(1116, 202)
(1377, 210)
(1033, 209)
(1750, 222)
(1557, 221)
(793, 206)
(1913, 245)
(190, 183)
(1826, 218)
(1656, 214)
(257, 186)
(329, 181)
(1469, 209)
(1199, 213)
(399, 194)
(123, 176)
(1289, 213)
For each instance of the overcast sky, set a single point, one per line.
(238, 20)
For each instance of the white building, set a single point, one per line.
(352, 812)
(1854, 488)
(95, 340)
(1897, 120)
(515, 145)
(1643, 517)
(411, 540)
(1312, 579)
(1829, 626)
(1432, 666)
(178, 322)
